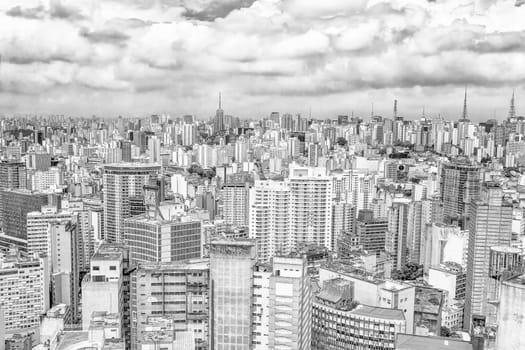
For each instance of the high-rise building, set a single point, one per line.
(65, 277)
(177, 291)
(490, 226)
(371, 231)
(510, 317)
(120, 182)
(154, 239)
(396, 242)
(290, 304)
(218, 122)
(154, 149)
(231, 285)
(38, 239)
(23, 284)
(459, 186)
(103, 286)
(21, 202)
(287, 214)
(343, 222)
(235, 203)
(269, 218)
(310, 207)
(13, 175)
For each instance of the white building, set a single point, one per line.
(102, 288)
(38, 239)
(23, 287)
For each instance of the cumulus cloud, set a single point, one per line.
(174, 55)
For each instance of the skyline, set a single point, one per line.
(140, 57)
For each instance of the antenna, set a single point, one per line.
(220, 101)
(465, 105)
(372, 112)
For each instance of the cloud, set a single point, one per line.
(30, 13)
(263, 52)
(108, 36)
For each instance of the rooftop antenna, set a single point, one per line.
(372, 112)
(220, 101)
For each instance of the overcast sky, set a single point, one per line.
(137, 57)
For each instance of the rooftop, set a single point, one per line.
(415, 342)
(379, 312)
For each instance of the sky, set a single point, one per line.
(324, 58)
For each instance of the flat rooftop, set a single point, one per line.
(415, 342)
(379, 312)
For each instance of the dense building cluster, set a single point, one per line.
(169, 233)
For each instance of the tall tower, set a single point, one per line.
(489, 226)
(512, 109)
(230, 294)
(464, 115)
(219, 117)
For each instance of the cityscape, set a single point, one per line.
(252, 175)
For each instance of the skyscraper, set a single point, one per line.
(290, 304)
(459, 186)
(490, 225)
(310, 207)
(121, 181)
(218, 122)
(235, 203)
(65, 278)
(269, 218)
(231, 283)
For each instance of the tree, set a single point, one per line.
(409, 272)
(341, 141)
(445, 332)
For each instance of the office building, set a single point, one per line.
(340, 322)
(490, 226)
(120, 182)
(154, 239)
(175, 290)
(13, 175)
(231, 293)
(371, 231)
(21, 202)
(459, 186)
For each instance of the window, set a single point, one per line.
(112, 268)
(96, 268)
